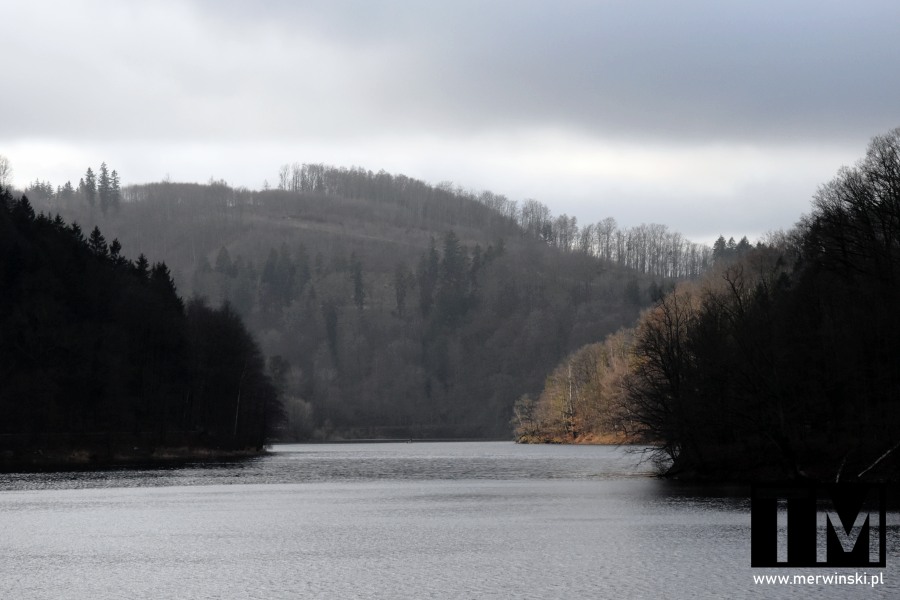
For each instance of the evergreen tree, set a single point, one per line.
(719, 248)
(67, 192)
(224, 264)
(87, 187)
(97, 243)
(427, 276)
(115, 249)
(115, 197)
(142, 267)
(104, 189)
(452, 290)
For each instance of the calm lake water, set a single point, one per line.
(422, 520)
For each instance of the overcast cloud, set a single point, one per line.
(710, 117)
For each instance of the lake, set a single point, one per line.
(421, 520)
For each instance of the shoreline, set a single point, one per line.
(85, 459)
(591, 439)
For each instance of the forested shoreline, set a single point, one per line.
(388, 307)
(779, 363)
(385, 307)
(102, 361)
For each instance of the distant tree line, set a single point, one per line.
(101, 190)
(652, 249)
(99, 353)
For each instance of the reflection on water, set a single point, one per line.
(461, 520)
(300, 463)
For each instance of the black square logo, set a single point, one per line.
(825, 525)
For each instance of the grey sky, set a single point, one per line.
(710, 117)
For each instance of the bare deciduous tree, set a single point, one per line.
(5, 172)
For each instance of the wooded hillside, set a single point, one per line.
(780, 362)
(389, 307)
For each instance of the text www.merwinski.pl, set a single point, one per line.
(871, 580)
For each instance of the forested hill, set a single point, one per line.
(101, 360)
(389, 307)
(780, 362)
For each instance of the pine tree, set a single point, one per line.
(67, 192)
(115, 253)
(427, 277)
(719, 248)
(87, 187)
(452, 280)
(97, 243)
(115, 192)
(104, 188)
(224, 264)
(142, 267)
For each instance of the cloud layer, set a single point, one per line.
(631, 106)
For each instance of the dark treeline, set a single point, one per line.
(394, 308)
(100, 356)
(782, 360)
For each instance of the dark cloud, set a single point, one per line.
(693, 113)
(654, 69)
(691, 70)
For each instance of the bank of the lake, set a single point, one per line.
(101, 452)
(586, 439)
